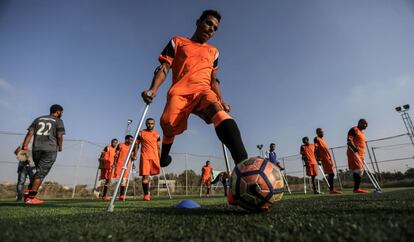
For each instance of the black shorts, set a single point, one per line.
(43, 161)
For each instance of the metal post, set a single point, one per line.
(336, 168)
(95, 186)
(77, 169)
(376, 163)
(186, 176)
(408, 125)
(304, 180)
(158, 186)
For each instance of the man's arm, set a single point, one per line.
(160, 74)
(316, 142)
(27, 139)
(350, 140)
(60, 140)
(215, 86)
(304, 158)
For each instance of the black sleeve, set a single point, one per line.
(105, 149)
(315, 140)
(168, 50)
(352, 132)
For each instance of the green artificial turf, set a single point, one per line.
(349, 217)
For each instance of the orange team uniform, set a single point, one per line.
(150, 159)
(107, 162)
(122, 152)
(357, 136)
(206, 175)
(309, 152)
(192, 65)
(324, 155)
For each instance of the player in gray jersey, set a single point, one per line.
(47, 132)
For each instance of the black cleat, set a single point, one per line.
(166, 161)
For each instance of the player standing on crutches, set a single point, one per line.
(307, 151)
(149, 165)
(129, 155)
(323, 155)
(195, 89)
(355, 153)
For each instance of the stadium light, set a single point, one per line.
(407, 120)
(406, 107)
(128, 129)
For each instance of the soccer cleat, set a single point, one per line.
(121, 198)
(33, 201)
(147, 197)
(230, 199)
(335, 192)
(165, 161)
(106, 198)
(360, 191)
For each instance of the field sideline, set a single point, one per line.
(370, 217)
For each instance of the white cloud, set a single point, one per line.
(4, 85)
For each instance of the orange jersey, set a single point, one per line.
(122, 153)
(150, 142)
(109, 155)
(191, 63)
(324, 155)
(308, 151)
(323, 151)
(206, 172)
(357, 136)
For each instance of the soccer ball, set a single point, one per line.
(256, 184)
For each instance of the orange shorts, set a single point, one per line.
(204, 104)
(353, 162)
(328, 167)
(118, 170)
(206, 181)
(312, 170)
(106, 174)
(149, 167)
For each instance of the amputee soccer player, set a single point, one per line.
(47, 132)
(323, 155)
(150, 155)
(195, 88)
(355, 153)
(107, 160)
(307, 151)
(120, 156)
(206, 172)
(272, 157)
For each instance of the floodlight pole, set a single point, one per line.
(408, 123)
(128, 128)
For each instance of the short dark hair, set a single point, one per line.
(272, 144)
(149, 119)
(318, 129)
(210, 12)
(55, 107)
(128, 136)
(303, 139)
(114, 140)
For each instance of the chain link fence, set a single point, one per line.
(75, 172)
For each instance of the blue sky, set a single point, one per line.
(286, 67)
